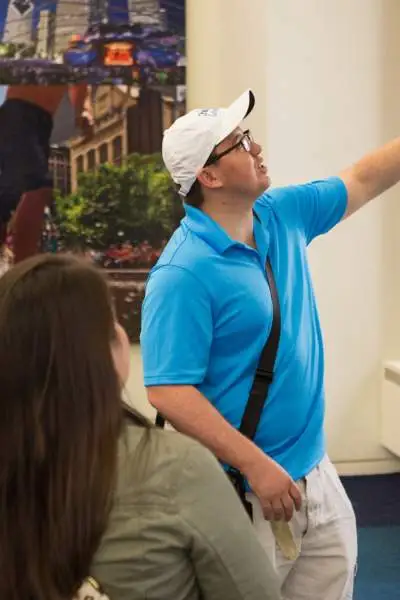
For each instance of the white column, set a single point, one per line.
(226, 54)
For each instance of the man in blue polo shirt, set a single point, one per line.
(207, 314)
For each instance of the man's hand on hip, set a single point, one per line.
(278, 494)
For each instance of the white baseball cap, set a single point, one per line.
(190, 140)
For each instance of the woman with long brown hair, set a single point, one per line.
(87, 486)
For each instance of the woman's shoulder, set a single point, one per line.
(158, 445)
(154, 463)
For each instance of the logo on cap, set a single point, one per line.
(208, 112)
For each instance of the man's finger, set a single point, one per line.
(288, 506)
(278, 509)
(295, 493)
(267, 511)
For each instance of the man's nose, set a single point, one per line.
(256, 149)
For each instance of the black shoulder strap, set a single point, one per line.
(160, 421)
(265, 368)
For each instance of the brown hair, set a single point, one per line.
(195, 195)
(60, 419)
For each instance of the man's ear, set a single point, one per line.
(208, 178)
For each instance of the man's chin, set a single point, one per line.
(265, 184)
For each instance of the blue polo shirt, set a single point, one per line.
(207, 314)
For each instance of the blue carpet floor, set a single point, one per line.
(376, 501)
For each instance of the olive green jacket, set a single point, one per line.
(177, 530)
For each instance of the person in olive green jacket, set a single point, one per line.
(96, 503)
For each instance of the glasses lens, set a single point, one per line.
(246, 143)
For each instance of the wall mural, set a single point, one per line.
(113, 201)
(98, 41)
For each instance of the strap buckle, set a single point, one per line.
(264, 374)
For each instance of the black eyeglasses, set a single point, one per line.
(245, 142)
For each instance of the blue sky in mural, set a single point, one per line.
(175, 9)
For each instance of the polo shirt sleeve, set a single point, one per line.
(176, 329)
(315, 207)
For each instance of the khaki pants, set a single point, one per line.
(325, 532)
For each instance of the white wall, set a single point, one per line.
(227, 53)
(135, 391)
(330, 73)
(327, 80)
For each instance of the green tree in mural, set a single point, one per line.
(14, 50)
(132, 202)
(8, 50)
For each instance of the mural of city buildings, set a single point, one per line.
(100, 41)
(114, 203)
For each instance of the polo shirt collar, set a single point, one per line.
(213, 234)
(207, 229)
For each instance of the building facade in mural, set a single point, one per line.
(115, 202)
(19, 22)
